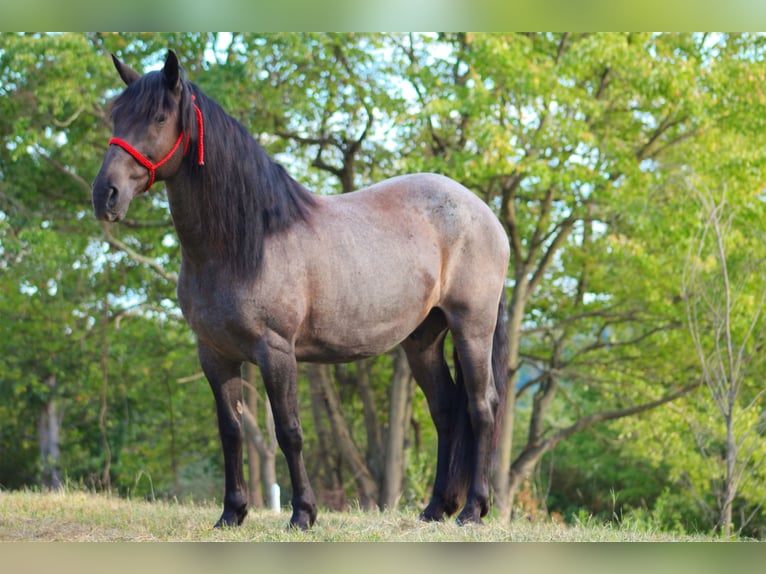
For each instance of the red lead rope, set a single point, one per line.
(152, 167)
(201, 138)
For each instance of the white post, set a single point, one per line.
(274, 501)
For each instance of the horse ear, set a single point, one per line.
(128, 74)
(171, 70)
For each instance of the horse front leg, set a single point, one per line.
(224, 378)
(280, 372)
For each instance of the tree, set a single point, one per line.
(725, 303)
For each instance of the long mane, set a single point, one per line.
(245, 195)
(242, 194)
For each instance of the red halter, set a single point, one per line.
(152, 167)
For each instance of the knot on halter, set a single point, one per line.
(152, 167)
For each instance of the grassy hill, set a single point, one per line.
(74, 517)
(79, 516)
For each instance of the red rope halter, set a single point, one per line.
(152, 167)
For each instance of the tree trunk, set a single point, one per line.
(328, 462)
(729, 486)
(255, 487)
(48, 426)
(172, 431)
(374, 456)
(398, 425)
(503, 494)
(102, 417)
(366, 485)
(254, 484)
(265, 446)
(269, 459)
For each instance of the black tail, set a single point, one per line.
(462, 452)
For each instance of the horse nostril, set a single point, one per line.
(111, 199)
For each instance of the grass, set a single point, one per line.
(80, 516)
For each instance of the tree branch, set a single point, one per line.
(666, 123)
(137, 257)
(565, 229)
(111, 239)
(70, 120)
(563, 45)
(532, 453)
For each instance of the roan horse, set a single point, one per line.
(273, 274)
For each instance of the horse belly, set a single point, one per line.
(354, 339)
(367, 313)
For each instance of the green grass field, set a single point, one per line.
(79, 516)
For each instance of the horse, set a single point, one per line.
(273, 274)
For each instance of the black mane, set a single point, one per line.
(242, 194)
(142, 99)
(245, 195)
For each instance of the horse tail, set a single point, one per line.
(462, 451)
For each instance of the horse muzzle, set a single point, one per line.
(109, 203)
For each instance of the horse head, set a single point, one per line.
(147, 137)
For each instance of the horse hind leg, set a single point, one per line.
(475, 366)
(425, 355)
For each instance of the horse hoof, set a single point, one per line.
(431, 515)
(231, 519)
(302, 526)
(302, 520)
(225, 523)
(469, 517)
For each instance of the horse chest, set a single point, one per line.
(218, 317)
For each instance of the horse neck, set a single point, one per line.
(186, 210)
(224, 210)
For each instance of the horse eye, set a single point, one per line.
(161, 119)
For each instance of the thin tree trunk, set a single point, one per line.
(715, 317)
(254, 484)
(48, 436)
(398, 425)
(102, 417)
(265, 445)
(266, 449)
(255, 487)
(269, 459)
(729, 486)
(172, 429)
(366, 485)
(503, 493)
(328, 462)
(375, 454)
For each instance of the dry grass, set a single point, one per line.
(75, 517)
(78, 516)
